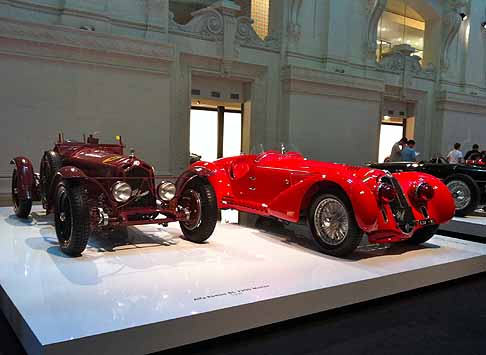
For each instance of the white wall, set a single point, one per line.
(41, 97)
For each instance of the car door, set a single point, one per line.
(268, 178)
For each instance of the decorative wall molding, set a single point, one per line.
(65, 36)
(375, 11)
(451, 23)
(206, 23)
(316, 82)
(452, 101)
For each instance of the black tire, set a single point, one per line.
(71, 216)
(51, 163)
(423, 235)
(22, 207)
(203, 219)
(473, 191)
(352, 234)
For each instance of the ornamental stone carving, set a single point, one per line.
(219, 21)
(401, 59)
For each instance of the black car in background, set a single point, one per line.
(467, 183)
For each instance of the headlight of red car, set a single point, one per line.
(424, 192)
(386, 193)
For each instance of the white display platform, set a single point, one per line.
(471, 225)
(162, 292)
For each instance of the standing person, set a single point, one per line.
(455, 156)
(396, 152)
(473, 154)
(408, 153)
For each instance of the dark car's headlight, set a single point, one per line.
(166, 191)
(121, 191)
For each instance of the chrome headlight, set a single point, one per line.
(166, 191)
(121, 191)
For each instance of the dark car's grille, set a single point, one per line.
(402, 212)
(141, 180)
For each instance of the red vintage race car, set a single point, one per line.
(339, 202)
(91, 187)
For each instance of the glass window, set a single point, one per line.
(400, 24)
(204, 134)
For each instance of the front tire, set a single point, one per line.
(199, 200)
(22, 207)
(466, 193)
(333, 225)
(423, 235)
(71, 216)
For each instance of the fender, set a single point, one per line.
(288, 204)
(25, 176)
(204, 170)
(66, 172)
(215, 174)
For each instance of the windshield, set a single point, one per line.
(282, 148)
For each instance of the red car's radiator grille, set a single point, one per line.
(402, 212)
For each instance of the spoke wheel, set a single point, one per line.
(333, 225)
(64, 220)
(71, 217)
(191, 203)
(460, 192)
(331, 221)
(466, 193)
(198, 201)
(21, 206)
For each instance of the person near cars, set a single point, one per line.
(455, 155)
(473, 154)
(396, 152)
(408, 152)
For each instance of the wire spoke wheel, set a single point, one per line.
(64, 218)
(460, 192)
(331, 221)
(15, 190)
(191, 203)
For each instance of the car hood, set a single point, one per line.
(97, 162)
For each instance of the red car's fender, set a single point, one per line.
(25, 176)
(299, 196)
(441, 207)
(215, 174)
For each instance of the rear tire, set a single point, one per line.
(199, 198)
(423, 235)
(22, 207)
(71, 216)
(466, 193)
(333, 225)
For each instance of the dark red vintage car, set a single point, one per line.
(339, 202)
(91, 187)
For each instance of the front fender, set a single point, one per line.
(25, 177)
(298, 197)
(215, 175)
(65, 173)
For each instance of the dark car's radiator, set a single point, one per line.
(402, 212)
(140, 180)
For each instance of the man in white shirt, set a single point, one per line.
(455, 156)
